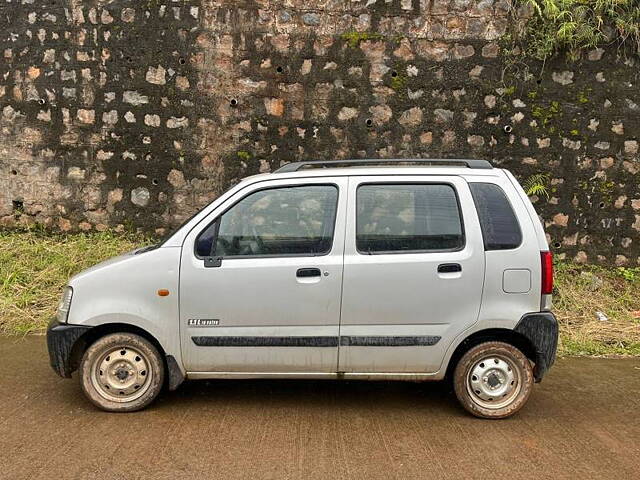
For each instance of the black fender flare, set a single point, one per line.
(541, 329)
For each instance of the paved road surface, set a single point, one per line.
(582, 422)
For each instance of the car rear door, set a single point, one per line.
(413, 272)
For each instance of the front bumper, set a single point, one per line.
(61, 339)
(541, 329)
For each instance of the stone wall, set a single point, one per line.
(133, 114)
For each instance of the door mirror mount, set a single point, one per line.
(210, 262)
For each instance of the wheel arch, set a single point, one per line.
(100, 331)
(505, 335)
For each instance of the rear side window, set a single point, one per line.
(274, 222)
(500, 228)
(395, 218)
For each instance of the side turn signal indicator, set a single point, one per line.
(163, 292)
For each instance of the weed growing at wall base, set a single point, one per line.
(34, 267)
(598, 309)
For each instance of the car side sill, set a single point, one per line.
(409, 376)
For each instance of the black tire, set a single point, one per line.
(122, 372)
(493, 380)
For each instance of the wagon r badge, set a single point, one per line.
(203, 322)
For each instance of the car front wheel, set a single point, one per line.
(121, 372)
(493, 380)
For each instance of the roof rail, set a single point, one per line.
(295, 166)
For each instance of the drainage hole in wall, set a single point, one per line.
(233, 102)
(154, 181)
(556, 245)
(394, 74)
(369, 122)
(14, 172)
(182, 61)
(279, 69)
(42, 101)
(18, 206)
(539, 81)
(601, 205)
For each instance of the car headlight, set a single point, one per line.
(64, 305)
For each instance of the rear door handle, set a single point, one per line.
(449, 268)
(308, 272)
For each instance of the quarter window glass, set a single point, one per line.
(500, 228)
(405, 218)
(204, 243)
(279, 221)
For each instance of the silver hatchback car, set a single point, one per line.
(360, 269)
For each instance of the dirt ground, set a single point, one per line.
(581, 422)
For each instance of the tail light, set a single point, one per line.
(547, 272)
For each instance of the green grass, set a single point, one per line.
(588, 347)
(583, 290)
(34, 267)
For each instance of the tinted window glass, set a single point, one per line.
(393, 218)
(278, 221)
(500, 228)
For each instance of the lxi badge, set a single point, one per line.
(203, 322)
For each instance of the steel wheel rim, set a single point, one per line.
(121, 374)
(494, 381)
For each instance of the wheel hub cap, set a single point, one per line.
(121, 374)
(495, 379)
(493, 382)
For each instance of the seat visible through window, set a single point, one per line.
(407, 218)
(277, 221)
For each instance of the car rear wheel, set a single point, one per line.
(493, 380)
(121, 372)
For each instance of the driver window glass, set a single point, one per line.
(278, 221)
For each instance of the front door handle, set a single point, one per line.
(449, 268)
(308, 272)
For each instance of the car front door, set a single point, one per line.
(261, 280)
(413, 272)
